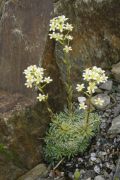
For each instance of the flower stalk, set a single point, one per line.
(60, 31)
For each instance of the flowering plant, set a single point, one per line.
(92, 77)
(35, 78)
(71, 130)
(60, 31)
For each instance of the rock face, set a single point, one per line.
(23, 34)
(22, 127)
(96, 35)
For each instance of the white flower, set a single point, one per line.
(47, 80)
(60, 31)
(80, 87)
(87, 74)
(99, 101)
(52, 35)
(58, 23)
(92, 87)
(33, 75)
(67, 49)
(69, 27)
(69, 37)
(82, 106)
(59, 37)
(56, 36)
(29, 84)
(95, 74)
(52, 26)
(41, 97)
(60, 27)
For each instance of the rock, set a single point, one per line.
(24, 26)
(117, 173)
(9, 171)
(97, 169)
(35, 173)
(116, 110)
(107, 85)
(116, 71)
(88, 174)
(104, 97)
(92, 45)
(115, 128)
(99, 178)
(22, 126)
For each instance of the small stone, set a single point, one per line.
(99, 178)
(89, 174)
(107, 85)
(70, 175)
(106, 114)
(82, 171)
(117, 98)
(36, 172)
(97, 169)
(81, 99)
(117, 173)
(116, 71)
(104, 97)
(118, 94)
(116, 110)
(80, 160)
(93, 155)
(68, 164)
(108, 110)
(102, 153)
(93, 159)
(115, 128)
(103, 125)
(76, 165)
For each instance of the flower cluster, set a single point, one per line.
(35, 79)
(93, 77)
(95, 74)
(60, 31)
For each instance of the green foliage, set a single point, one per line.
(5, 151)
(69, 134)
(77, 175)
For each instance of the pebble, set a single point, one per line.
(80, 160)
(116, 110)
(107, 85)
(97, 169)
(104, 97)
(93, 159)
(99, 178)
(115, 128)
